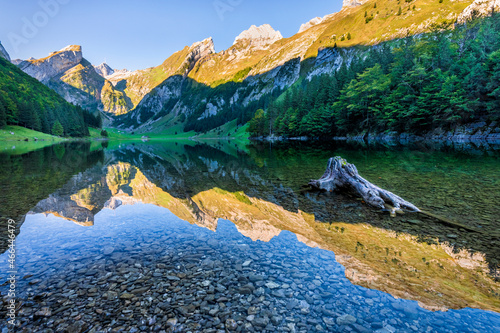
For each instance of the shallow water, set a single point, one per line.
(180, 237)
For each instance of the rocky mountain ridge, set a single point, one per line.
(259, 37)
(104, 70)
(311, 23)
(353, 3)
(55, 64)
(74, 78)
(3, 53)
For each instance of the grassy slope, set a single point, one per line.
(228, 130)
(220, 68)
(386, 23)
(21, 134)
(16, 144)
(149, 78)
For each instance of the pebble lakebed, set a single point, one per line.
(156, 273)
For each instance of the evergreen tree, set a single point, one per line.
(3, 116)
(57, 129)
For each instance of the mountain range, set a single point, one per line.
(198, 85)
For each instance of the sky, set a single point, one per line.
(141, 34)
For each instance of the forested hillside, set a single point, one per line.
(26, 102)
(417, 84)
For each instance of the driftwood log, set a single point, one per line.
(344, 177)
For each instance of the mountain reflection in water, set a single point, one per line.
(260, 192)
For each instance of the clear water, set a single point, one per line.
(171, 225)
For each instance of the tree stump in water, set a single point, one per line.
(343, 176)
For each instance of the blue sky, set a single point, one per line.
(141, 34)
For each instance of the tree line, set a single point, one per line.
(24, 101)
(437, 80)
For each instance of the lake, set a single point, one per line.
(219, 236)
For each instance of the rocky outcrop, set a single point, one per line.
(119, 75)
(353, 3)
(3, 52)
(259, 37)
(479, 134)
(55, 64)
(311, 23)
(198, 51)
(104, 70)
(479, 8)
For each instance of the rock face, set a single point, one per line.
(104, 70)
(198, 51)
(311, 23)
(353, 3)
(479, 8)
(55, 64)
(170, 89)
(119, 75)
(3, 53)
(259, 37)
(78, 81)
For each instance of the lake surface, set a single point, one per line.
(178, 237)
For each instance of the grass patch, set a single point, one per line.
(229, 130)
(25, 134)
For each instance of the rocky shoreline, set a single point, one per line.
(478, 133)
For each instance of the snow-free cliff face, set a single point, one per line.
(313, 22)
(353, 3)
(259, 37)
(479, 8)
(104, 70)
(77, 81)
(56, 63)
(3, 53)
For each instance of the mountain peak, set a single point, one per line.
(202, 49)
(54, 64)
(262, 35)
(3, 52)
(104, 70)
(207, 44)
(353, 3)
(74, 48)
(311, 23)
